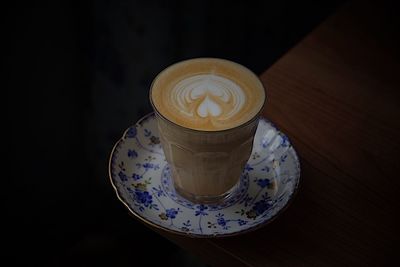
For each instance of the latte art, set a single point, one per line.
(207, 96)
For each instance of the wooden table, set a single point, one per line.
(336, 95)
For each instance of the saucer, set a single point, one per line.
(142, 180)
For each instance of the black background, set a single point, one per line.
(77, 75)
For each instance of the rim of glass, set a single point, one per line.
(252, 119)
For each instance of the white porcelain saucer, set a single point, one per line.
(141, 178)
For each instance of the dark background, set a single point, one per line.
(77, 76)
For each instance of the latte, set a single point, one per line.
(207, 94)
(207, 114)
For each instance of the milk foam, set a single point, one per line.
(207, 96)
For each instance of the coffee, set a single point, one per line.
(207, 113)
(207, 94)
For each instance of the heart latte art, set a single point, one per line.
(207, 96)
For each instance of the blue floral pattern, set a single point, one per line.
(132, 153)
(201, 210)
(142, 180)
(143, 197)
(122, 176)
(263, 182)
(131, 133)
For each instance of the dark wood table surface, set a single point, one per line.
(336, 95)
